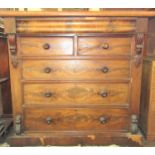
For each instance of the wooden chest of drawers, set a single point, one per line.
(75, 80)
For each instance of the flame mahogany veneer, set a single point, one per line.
(76, 76)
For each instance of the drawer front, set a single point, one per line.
(76, 69)
(73, 119)
(76, 94)
(45, 46)
(75, 25)
(104, 46)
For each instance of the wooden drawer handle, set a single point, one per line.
(103, 119)
(48, 94)
(105, 46)
(49, 120)
(47, 70)
(46, 46)
(105, 69)
(103, 93)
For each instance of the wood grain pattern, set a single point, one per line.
(71, 119)
(76, 25)
(76, 94)
(145, 99)
(152, 107)
(15, 78)
(95, 45)
(136, 71)
(104, 13)
(34, 46)
(76, 69)
(147, 110)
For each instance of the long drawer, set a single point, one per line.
(45, 46)
(76, 25)
(76, 69)
(105, 46)
(74, 119)
(76, 93)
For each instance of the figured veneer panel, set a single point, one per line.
(76, 69)
(76, 94)
(74, 119)
(78, 76)
(75, 25)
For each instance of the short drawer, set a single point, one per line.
(76, 94)
(76, 69)
(74, 119)
(105, 46)
(45, 46)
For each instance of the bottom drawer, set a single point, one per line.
(75, 119)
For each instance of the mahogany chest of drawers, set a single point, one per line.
(76, 79)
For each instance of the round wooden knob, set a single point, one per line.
(49, 120)
(103, 119)
(104, 93)
(105, 46)
(105, 69)
(48, 94)
(46, 46)
(47, 70)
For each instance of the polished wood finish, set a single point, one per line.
(92, 75)
(74, 119)
(104, 13)
(136, 66)
(76, 25)
(114, 45)
(15, 77)
(76, 94)
(76, 69)
(47, 46)
(148, 99)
